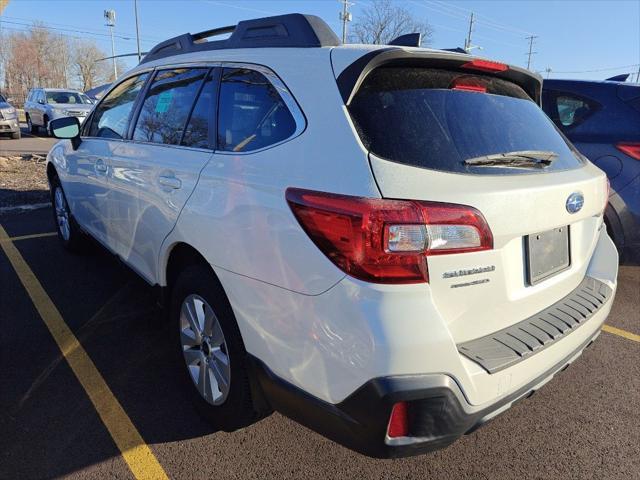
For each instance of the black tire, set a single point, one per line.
(45, 127)
(76, 240)
(16, 135)
(237, 410)
(32, 128)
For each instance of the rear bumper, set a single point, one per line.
(439, 411)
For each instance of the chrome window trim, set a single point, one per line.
(286, 95)
(288, 98)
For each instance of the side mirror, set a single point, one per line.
(66, 128)
(41, 101)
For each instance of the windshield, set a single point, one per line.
(2, 100)
(428, 118)
(67, 97)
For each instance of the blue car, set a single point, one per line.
(602, 119)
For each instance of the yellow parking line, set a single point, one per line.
(135, 451)
(622, 333)
(28, 237)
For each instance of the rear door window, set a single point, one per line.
(437, 119)
(251, 112)
(167, 105)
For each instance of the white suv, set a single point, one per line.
(388, 244)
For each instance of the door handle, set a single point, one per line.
(170, 181)
(100, 166)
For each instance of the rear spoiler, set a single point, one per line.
(351, 78)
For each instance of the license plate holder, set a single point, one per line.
(547, 254)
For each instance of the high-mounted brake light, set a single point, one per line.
(470, 88)
(631, 149)
(486, 66)
(387, 241)
(469, 83)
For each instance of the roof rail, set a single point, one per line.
(291, 30)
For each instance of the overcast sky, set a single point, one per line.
(576, 39)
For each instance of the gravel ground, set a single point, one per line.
(23, 179)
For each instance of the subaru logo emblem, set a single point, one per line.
(575, 202)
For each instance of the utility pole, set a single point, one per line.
(531, 38)
(467, 41)
(3, 5)
(135, 7)
(110, 17)
(548, 70)
(345, 17)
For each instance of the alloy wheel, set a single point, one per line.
(205, 349)
(62, 214)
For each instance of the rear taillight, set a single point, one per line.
(398, 421)
(631, 149)
(387, 241)
(486, 66)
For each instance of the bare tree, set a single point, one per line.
(90, 70)
(383, 21)
(36, 58)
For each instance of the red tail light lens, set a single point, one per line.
(387, 241)
(631, 149)
(486, 66)
(399, 421)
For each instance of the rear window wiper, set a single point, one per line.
(524, 158)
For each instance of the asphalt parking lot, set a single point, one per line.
(29, 143)
(584, 424)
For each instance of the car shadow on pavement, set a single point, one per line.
(132, 343)
(11, 198)
(45, 415)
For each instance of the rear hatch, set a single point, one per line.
(472, 133)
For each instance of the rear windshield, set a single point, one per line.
(429, 118)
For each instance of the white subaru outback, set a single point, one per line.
(388, 244)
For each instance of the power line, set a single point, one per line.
(460, 16)
(600, 69)
(31, 26)
(93, 31)
(480, 18)
(70, 36)
(248, 9)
